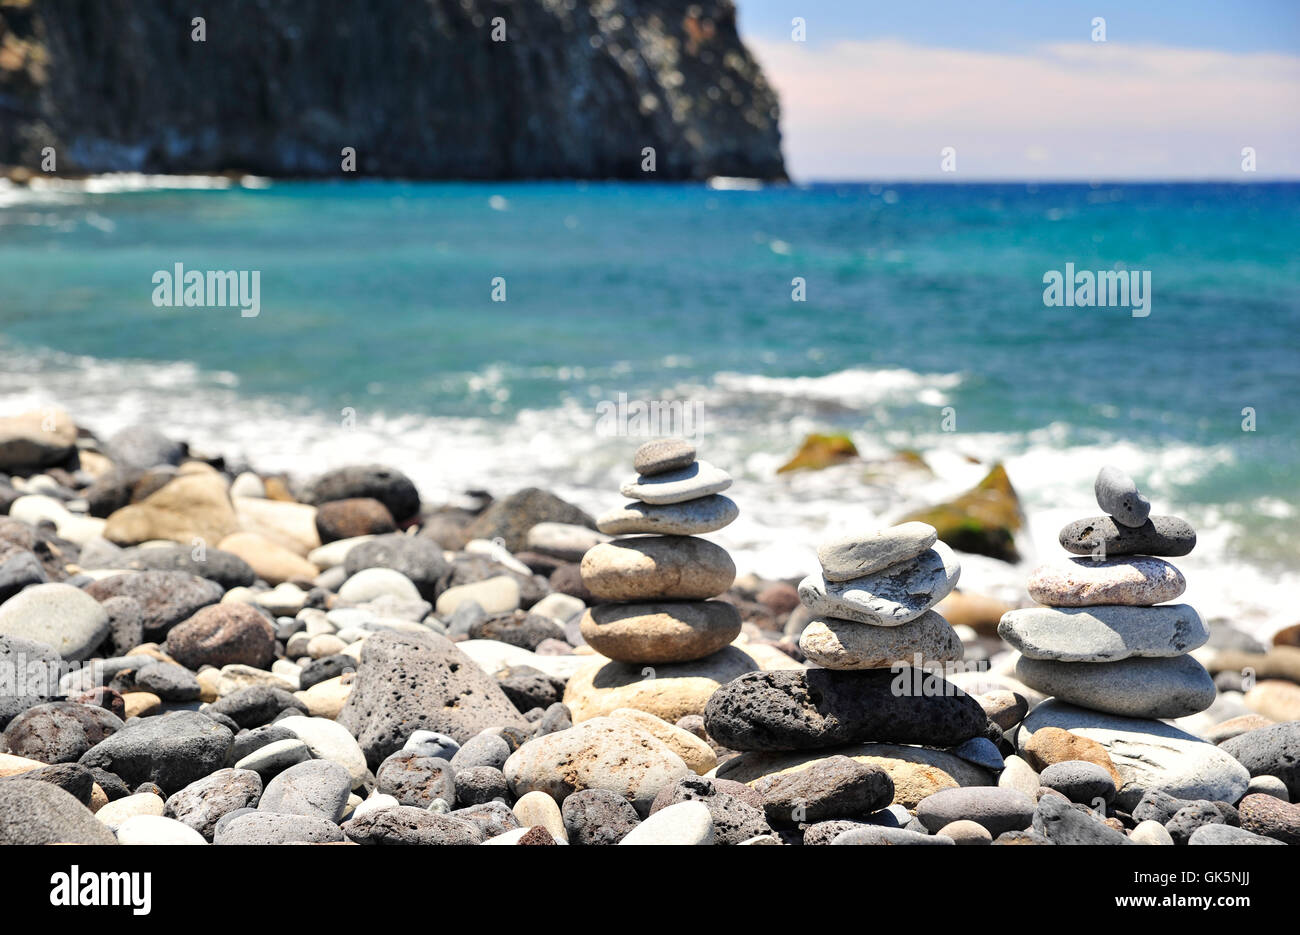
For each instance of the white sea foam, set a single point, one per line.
(759, 422)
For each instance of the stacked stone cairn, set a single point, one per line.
(1107, 640)
(657, 579)
(873, 602)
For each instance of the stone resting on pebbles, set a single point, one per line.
(1114, 656)
(654, 586)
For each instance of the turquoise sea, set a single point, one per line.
(378, 337)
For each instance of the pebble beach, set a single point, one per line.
(196, 652)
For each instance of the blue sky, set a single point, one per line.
(1022, 90)
(1228, 25)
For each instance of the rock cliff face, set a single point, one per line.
(419, 88)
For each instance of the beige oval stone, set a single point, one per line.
(669, 690)
(188, 507)
(1275, 699)
(660, 632)
(292, 525)
(602, 753)
(846, 644)
(269, 560)
(141, 704)
(326, 699)
(657, 568)
(118, 811)
(697, 754)
(539, 809)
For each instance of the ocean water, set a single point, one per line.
(378, 339)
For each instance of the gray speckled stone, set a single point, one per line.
(1118, 496)
(318, 788)
(889, 836)
(850, 557)
(171, 750)
(1270, 751)
(677, 486)
(1105, 633)
(1142, 688)
(257, 827)
(662, 455)
(847, 644)
(887, 598)
(1064, 823)
(203, 803)
(60, 615)
(691, 518)
(1216, 834)
(35, 812)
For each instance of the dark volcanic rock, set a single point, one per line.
(1159, 535)
(327, 667)
(388, 485)
(34, 812)
(792, 709)
(836, 787)
(356, 516)
(125, 624)
(165, 597)
(225, 568)
(511, 518)
(172, 750)
(72, 778)
(518, 628)
(1270, 751)
(203, 803)
(415, 681)
(168, 681)
(417, 780)
(480, 785)
(225, 634)
(256, 705)
(734, 819)
(1062, 823)
(59, 732)
(19, 567)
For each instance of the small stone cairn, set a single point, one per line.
(659, 576)
(1106, 639)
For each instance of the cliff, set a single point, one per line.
(418, 87)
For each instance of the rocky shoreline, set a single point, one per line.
(194, 652)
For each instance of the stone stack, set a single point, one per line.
(873, 603)
(656, 580)
(1107, 640)
(873, 600)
